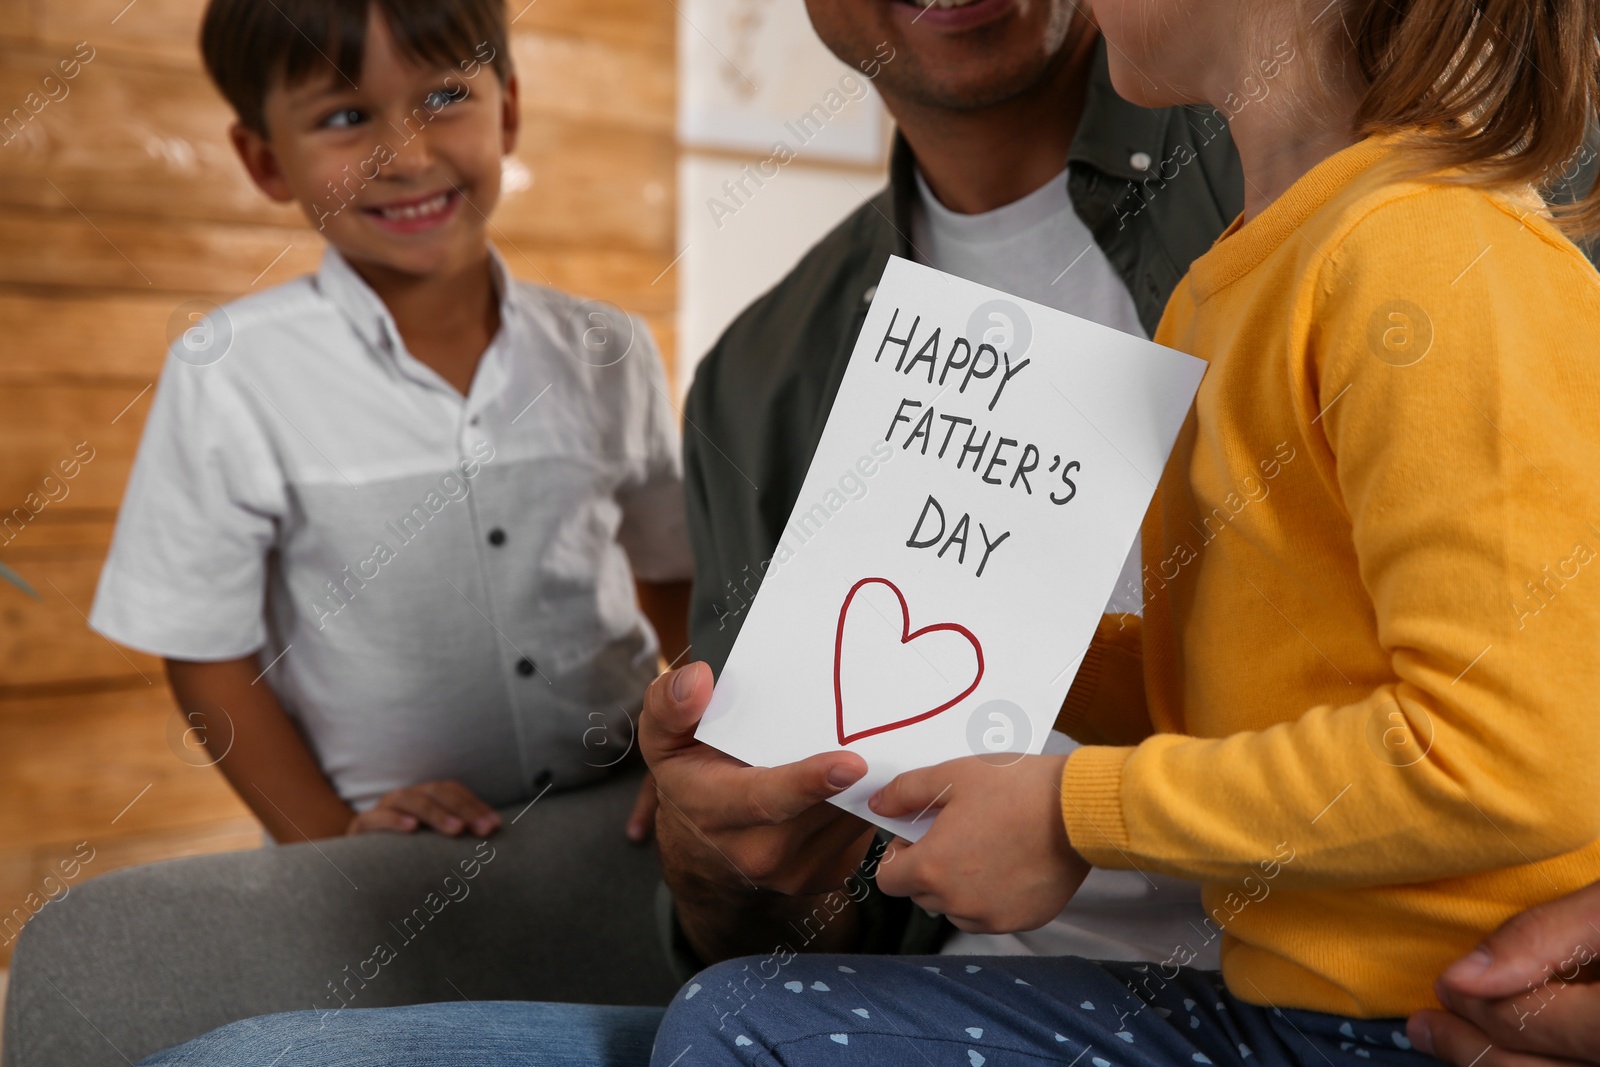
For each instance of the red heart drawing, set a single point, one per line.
(906, 637)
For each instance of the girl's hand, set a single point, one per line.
(996, 858)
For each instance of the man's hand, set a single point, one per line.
(996, 858)
(737, 841)
(642, 821)
(446, 806)
(1528, 996)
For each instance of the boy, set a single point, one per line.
(385, 529)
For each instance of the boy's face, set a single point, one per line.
(398, 171)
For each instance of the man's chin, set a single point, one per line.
(1000, 56)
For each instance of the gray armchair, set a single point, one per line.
(558, 906)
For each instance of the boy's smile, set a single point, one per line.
(399, 168)
(416, 214)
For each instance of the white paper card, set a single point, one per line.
(982, 475)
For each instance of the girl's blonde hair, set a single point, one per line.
(1503, 89)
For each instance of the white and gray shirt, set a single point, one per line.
(439, 586)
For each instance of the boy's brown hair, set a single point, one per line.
(1504, 89)
(249, 44)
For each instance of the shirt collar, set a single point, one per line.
(998, 224)
(338, 281)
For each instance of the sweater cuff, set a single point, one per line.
(1091, 805)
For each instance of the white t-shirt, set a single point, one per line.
(439, 586)
(1038, 248)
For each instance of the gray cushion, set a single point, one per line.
(145, 958)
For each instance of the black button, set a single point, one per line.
(497, 536)
(525, 666)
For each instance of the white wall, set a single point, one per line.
(748, 70)
(733, 259)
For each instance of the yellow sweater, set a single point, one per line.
(1365, 711)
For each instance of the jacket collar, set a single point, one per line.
(1112, 132)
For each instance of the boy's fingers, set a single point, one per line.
(672, 708)
(775, 795)
(465, 804)
(383, 819)
(643, 819)
(427, 810)
(912, 793)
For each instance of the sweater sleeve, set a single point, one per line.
(1106, 704)
(1465, 455)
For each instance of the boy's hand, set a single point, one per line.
(642, 823)
(996, 858)
(1529, 996)
(445, 806)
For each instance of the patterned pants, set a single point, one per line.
(968, 1011)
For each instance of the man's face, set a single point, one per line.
(971, 55)
(397, 171)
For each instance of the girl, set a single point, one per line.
(1357, 709)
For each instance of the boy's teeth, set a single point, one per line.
(416, 211)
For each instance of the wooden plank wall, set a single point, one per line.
(120, 201)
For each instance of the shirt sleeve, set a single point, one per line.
(185, 577)
(1468, 478)
(654, 530)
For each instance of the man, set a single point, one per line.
(1015, 165)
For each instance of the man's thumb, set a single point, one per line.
(672, 707)
(1528, 948)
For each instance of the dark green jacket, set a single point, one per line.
(762, 395)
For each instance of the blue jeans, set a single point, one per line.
(479, 1033)
(965, 1011)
